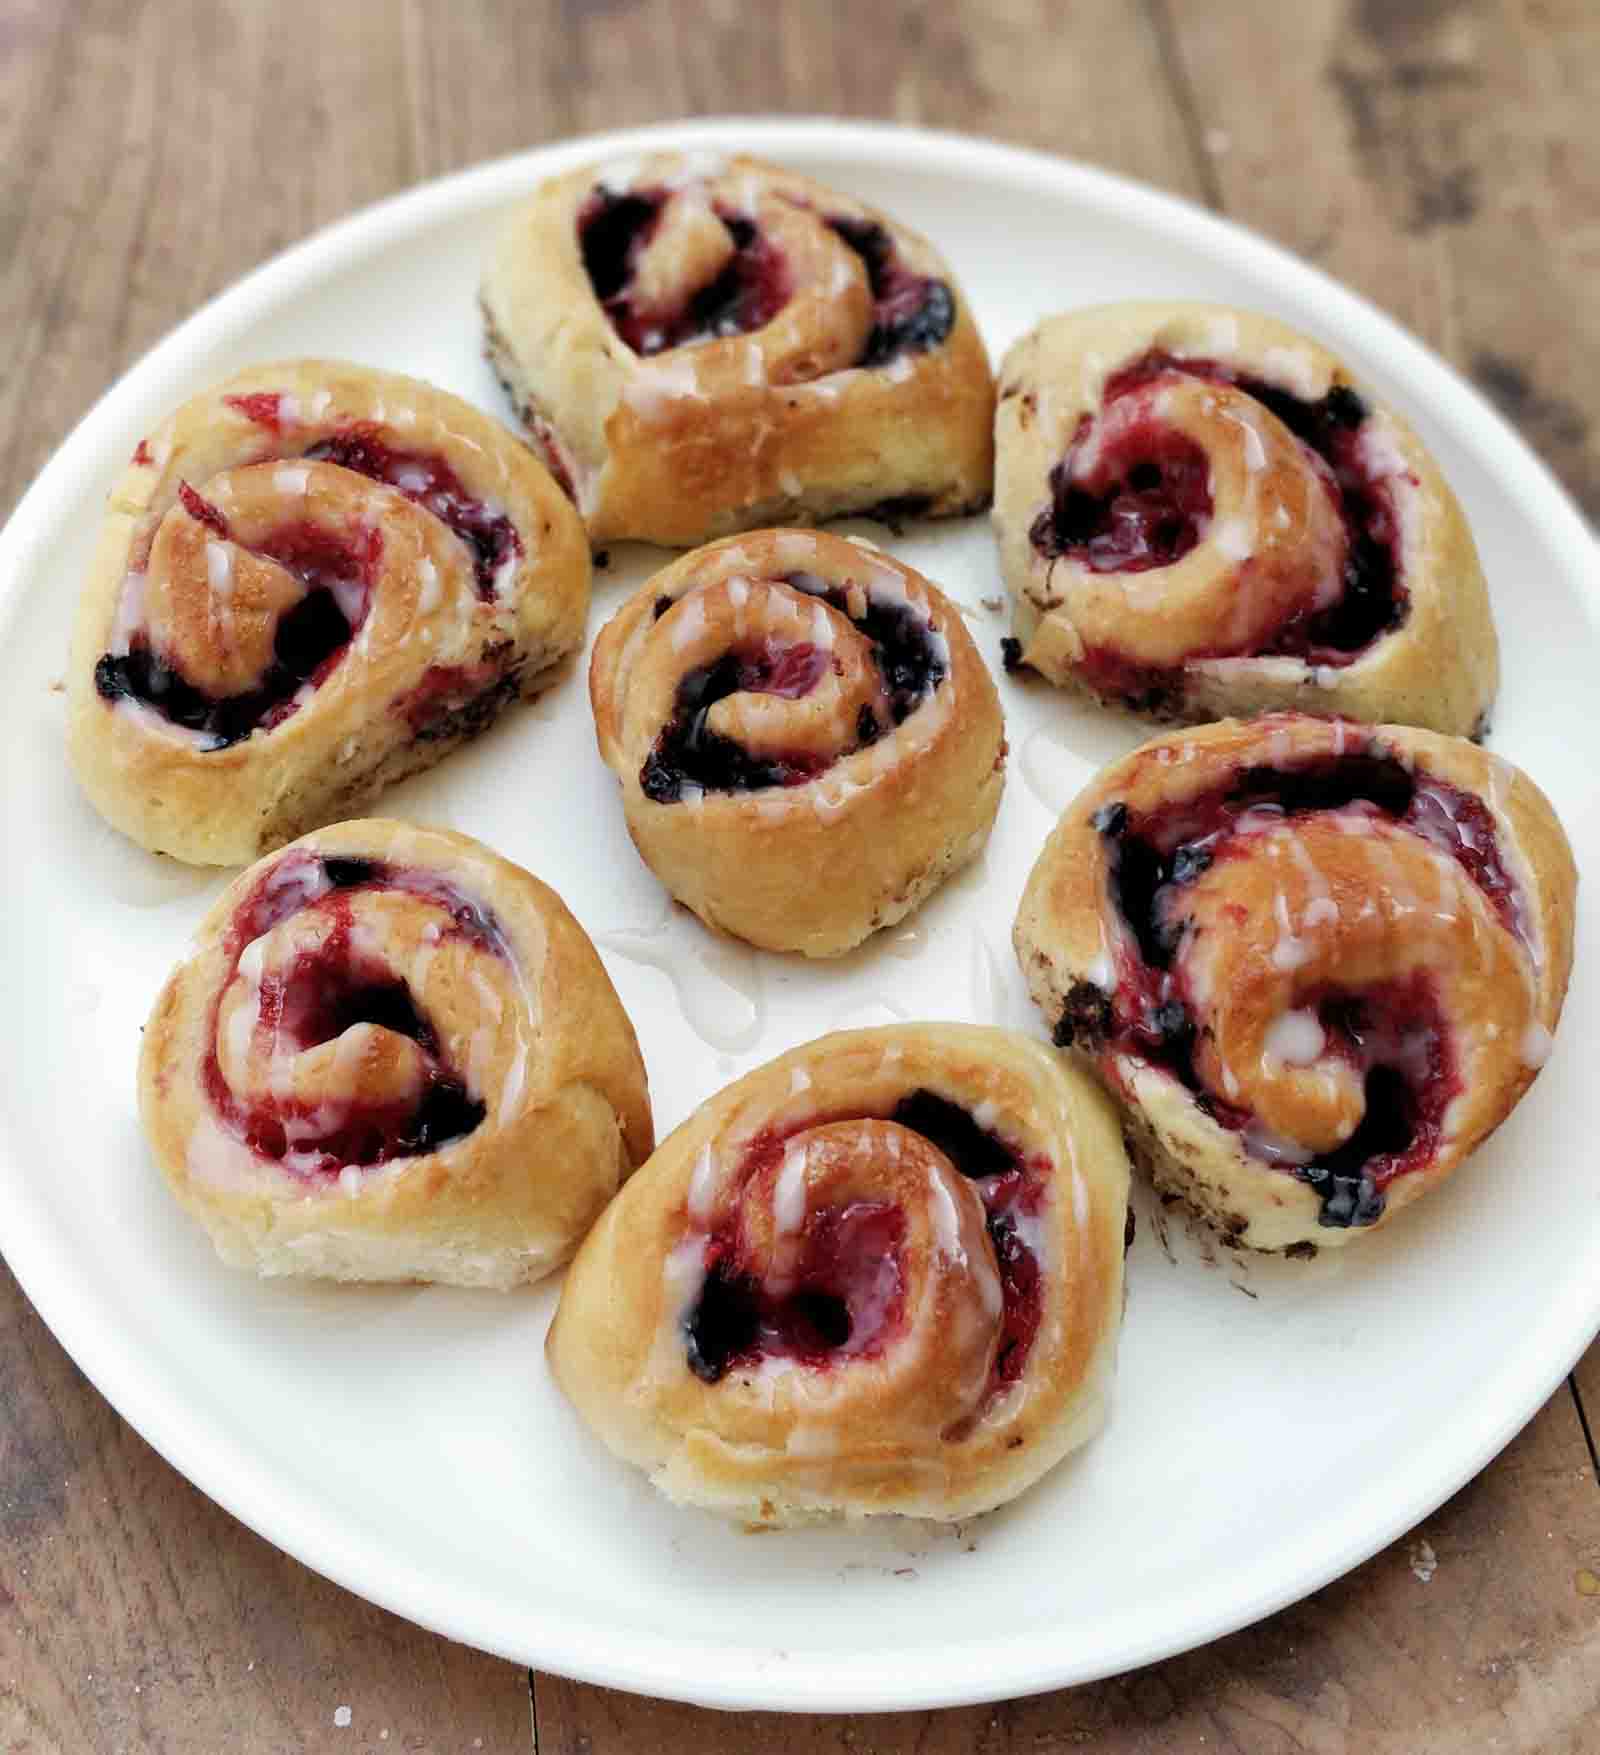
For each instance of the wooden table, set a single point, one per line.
(1443, 156)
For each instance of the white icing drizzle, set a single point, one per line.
(789, 1193)
(1535, 1046)
(130, 613)
(702, 1201)
(291, 479)
(1295, 1039)
(1262, 1142)
(688, 621)
(946, 1220)
(219, 570)
(1290, 952)
(669, 377)
(511, 1087)
(1232, 539)
(350, 595)
(427, 587)
(1293, 368)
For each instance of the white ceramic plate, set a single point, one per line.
(408, 1442)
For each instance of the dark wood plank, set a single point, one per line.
(136, 1615)
(1441, 157)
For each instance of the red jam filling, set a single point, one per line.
(911, 312)
(778, 669)
(264, 407)
(1374, 597)
(338, 572)
(1396, 1035)
(1142, 505)
(746, 295)
(847, 1296)
(326, 992)
(847, 1299)
(423, 476)
(688, 752)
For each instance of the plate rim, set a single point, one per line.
(958, 1673)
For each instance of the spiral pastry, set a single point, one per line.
(393, 1055)
(882, 1273)
(1199, 515)
(701, 345)
(1318, 962)
(807, 739)
(311, 581)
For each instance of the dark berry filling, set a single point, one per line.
(912, 313)
(299, 880)
(688, 752)
(1142, 506)
(324, 993)
(847, 1294)
(975, 1151)
(612, 229)
(310, 638)
(746, 294)
(1397, 1037)
(1374, 596)
(490, 537)
(420, 475)
(847, 1288)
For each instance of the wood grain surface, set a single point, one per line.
(1442, 156)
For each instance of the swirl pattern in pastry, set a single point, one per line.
(702, 345)
(1318, 962)
(1199, 514)
(882, 1273)
(393, 1055)
(807, 739)
(311, 581)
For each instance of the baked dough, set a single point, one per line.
(1200, 515)
(393, 1055)
(311, 581)
(882, 1273)
(702, 345)
(807, 739)
(1319, 963)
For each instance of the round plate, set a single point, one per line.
(408, 1442)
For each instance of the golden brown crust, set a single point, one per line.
(1317, 903)
(776, 425)
(433, 662)
(1271, 550)
(918, 1418)
(815, 866)
(521, 1011)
